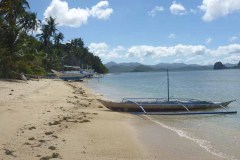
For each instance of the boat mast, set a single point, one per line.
(168, 84)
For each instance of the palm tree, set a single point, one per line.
(29, 22)
(51, 22)
(48, 30)
(14, 19)
(11, 10)
(45, 35)
(57, 38)
(48, 34)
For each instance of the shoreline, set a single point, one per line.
(190, 147)
(52, 118)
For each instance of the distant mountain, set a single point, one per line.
(229, 65)
(131, 64)
(110, 64)
(138, 67)
(169, 65)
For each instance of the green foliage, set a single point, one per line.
(21, 52)
(76, 54)
(12, 16)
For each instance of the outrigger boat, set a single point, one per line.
(168, 106)
(66, 76)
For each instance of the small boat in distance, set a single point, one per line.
(66, 76)
(167, 106)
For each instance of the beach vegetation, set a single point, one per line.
(24, 51)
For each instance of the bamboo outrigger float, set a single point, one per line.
(168, 106)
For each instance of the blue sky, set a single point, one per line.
(150, 31)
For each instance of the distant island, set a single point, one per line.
(220, 65)
(114, 67)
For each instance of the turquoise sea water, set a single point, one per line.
(217, 134)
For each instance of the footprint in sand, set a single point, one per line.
(42, 141)
(54, 136)
(31, 139)
(48, 133)
(54, 123)
(9, 152)
(52, 147)
(31, 128)
(84, 121)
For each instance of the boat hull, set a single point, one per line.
(162, 106)
(69, 76)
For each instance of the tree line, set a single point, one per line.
(22, 51)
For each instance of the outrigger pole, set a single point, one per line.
(167, 85)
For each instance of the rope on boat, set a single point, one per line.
(156, 84)
(180, 85)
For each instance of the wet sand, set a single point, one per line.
(54, 119)
(163, 143)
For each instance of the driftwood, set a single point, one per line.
(22, 76)
(26, 77)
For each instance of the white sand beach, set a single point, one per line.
(52, 118)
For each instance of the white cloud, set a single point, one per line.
(233, 38)
(161, 51)
(101, 10)
(208, 40)
(178, 53)
(233, 49)
(105, 52)
(214, 9)
(99, 49)
(155, 10)
(177, 8)
(172, 36)
(75, 17)
(234, 59)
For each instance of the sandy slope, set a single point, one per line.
(55, 119)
